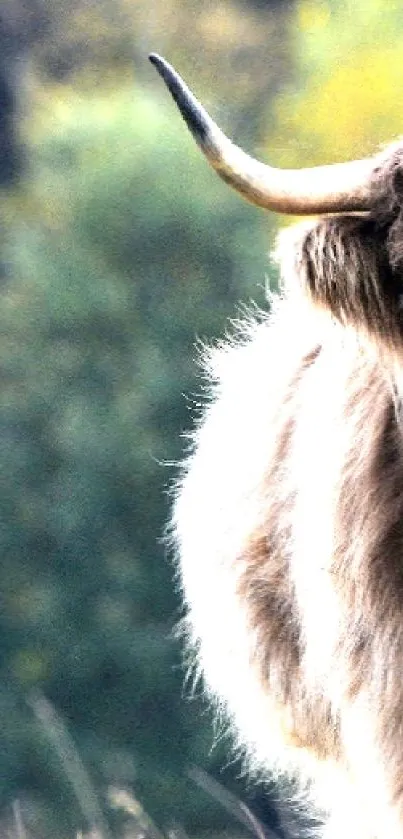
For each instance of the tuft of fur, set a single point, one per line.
(288, 519)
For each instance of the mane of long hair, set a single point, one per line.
(288, 518)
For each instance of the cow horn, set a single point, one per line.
(340, 187)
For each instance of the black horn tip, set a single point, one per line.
(196, 118)
(156, 59)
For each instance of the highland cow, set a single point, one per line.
(288, 518)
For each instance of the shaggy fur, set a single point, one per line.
(288, 520)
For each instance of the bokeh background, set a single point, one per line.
(118, 250)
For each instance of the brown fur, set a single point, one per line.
(289, 518)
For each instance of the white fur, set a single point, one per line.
(219, 503)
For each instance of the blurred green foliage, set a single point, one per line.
(122, 248)
(118, 250)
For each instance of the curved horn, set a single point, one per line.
(340, 187)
